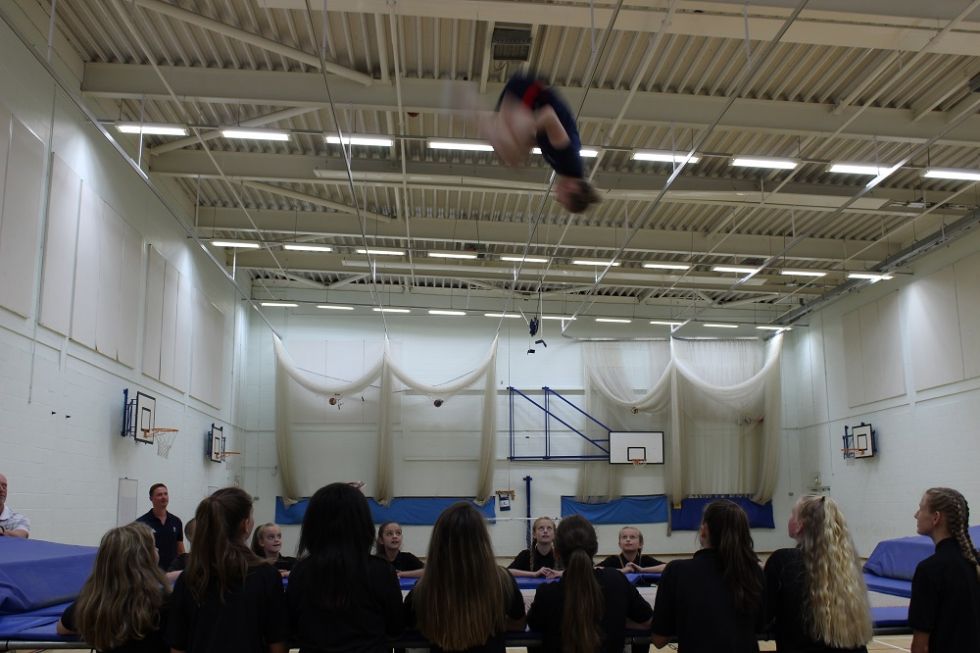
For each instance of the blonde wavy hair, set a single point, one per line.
(837, 607)
(121, 601)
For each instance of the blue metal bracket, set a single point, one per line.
(601, 444)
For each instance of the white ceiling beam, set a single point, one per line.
(512, 236)
(277, 88)
(867, 24)
(953, 83)
(256, 40)
(317, 201)
(297, 168)
(261, 121)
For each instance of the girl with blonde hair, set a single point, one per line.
(539, 559)
(267, 545)
(631, 559)
(944, 613)
(815, 592)
(122, 606)
(464, 600)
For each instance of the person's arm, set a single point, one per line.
(415, 573)
(278, 647)
(920, 642)
(659, 641)
(521, 566)
(63, 630)
(180, 547)
(546, 120)
(172, 577)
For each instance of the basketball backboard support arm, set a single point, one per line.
(601, 444)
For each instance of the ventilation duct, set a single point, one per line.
(511, 43)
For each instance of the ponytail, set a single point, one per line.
(584, 603)
(954, 506)
(219, 557)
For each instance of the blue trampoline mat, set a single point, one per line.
(34, 625)
(899, 557)
(35, 573)
(892, 586)
(890, 617)
(530, 583)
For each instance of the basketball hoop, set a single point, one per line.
(224, 454)
(638, 462)
(164, 438)
(853, 453)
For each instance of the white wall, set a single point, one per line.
(434, 449)
(911, 371)
(72, 336)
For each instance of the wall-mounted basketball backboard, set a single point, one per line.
(216, 444)
(139, 418)
(628, 447)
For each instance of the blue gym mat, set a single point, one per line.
(892, 586)
(35, 574)
(899, 557)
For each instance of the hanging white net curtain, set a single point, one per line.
(717, 401)
(385, 372)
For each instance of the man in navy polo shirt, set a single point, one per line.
(168, 531)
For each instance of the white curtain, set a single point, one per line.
(387, 371)
(718, 402)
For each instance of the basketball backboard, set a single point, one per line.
(626, 447)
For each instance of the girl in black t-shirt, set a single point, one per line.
(944, 612)
(122, 606)
(587, 610)
(388, 546)
(227, 598)
(631, 559)
(341, 598)
(462, 573)
(539, 559)
(714, 601)
(267, 544)
(815, 593)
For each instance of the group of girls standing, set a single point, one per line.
(341, 598)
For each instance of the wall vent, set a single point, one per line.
(511, 43)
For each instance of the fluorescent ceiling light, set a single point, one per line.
(737, 269)
(773, 328)
(857, 169)
(240, 244)
(333, 307)
(462, 255)
(715, 325)
(595, 262)
(764, 162)
(525, 259)
(666, 323)
(953, 173)
(391, 310)
(280, 304)
(585, 152)
(667, 266)
(370, 141)
(441, 312)
(156, 129)
(303, 247)
(802, 273)
(563, 318)
(381, 252)
(869, 276)
(256, 134)
(613, 320)
(466, 145)
(507, 315)
(662, 156)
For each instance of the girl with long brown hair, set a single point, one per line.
(816, 596)
(588, 609)
(464, 602)
(944, 613)
(122, 606)
(539, 559)
(714, 601)
(340, 597)
(227, 599)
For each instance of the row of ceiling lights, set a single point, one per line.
(875, 170)
(744, 270)
(563, 318)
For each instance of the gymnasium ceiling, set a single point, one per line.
(880, 82)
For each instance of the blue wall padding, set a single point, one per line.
(688, 516)
(35, 573)
(898, 558)
(627, 510)
(413, 511)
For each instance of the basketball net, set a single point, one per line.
(638, 462)
(164, 438)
